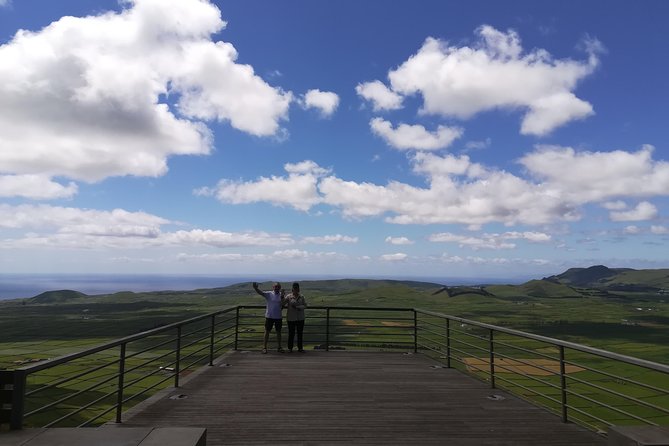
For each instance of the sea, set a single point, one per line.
(15, 286)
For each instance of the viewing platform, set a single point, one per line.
(369, 375)
(350, 397)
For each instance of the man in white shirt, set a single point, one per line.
(273, 316)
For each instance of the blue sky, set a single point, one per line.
(429, 139)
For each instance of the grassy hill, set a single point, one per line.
(615, 279)
(606, 316)
(57, 296)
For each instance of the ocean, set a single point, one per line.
(14, 286)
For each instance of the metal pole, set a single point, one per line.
(211, 340)
(563, 385)
(448, 343)
(178, 359)
(121, 376)
(415, 331)
(327, 330)
(18, 399)
(236, 328)
(492, 360)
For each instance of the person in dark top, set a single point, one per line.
(296, 304)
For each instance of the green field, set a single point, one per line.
(627, 322)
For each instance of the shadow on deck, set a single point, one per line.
(350, 397)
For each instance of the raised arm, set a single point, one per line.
(255, 287)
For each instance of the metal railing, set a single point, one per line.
(589, 386)
(593, 387)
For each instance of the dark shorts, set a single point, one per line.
(272, 322)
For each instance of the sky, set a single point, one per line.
(348, 138)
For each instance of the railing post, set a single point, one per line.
(121, 377)
(178, 358)
(236, 328)
(563, 385)
(211, 340)
(18, 400)
(327, 329)
(448, 343)
(415, 331)
(492, 360)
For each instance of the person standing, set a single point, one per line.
(273, 313)
(296, 304)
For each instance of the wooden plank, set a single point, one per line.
(353, 397)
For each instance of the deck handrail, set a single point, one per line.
(414, 332)
(572, 345)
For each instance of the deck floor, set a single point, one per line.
(344, 397)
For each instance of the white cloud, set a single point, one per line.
(4, 3)
(397, 257)
(414, 137)
(74, 219)
(614, 205)
(472, 196)
(298, 190)
(598, 176)
(381, 97)
(657, 229)
(472, 242)
(277, 257)
(478, 145)
(325, 101)
(493, 73)
(95, 89)
(558, 182)
(631, 229)
(62, 227)
(398, 241)
(330, 239)
(473, 260)
(221, 239)
(37, 187)
(643, 211)
(490, 241)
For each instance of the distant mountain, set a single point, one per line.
(614, 279)
(585, 277)
(57, 296)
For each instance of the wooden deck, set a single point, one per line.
(343, 397)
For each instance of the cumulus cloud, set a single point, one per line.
(596, 176)
(330, 239)
(36, 187)
(397, 257)
(324, 101)
(58, 227)
(490, 241)
(298, 190)
(643, 211)
(478, 145)
(492, 73)
(99, 96)
(614, 205)
(631, 230)
(398, 241)
(658, 229)
(473, 260)
(556, 184)
(414, 137)
(281, 256)
(381, 97)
